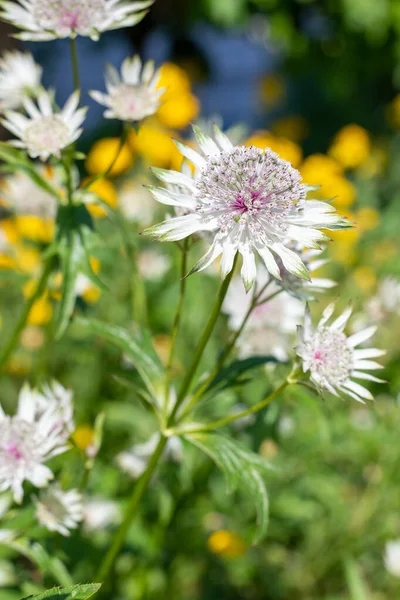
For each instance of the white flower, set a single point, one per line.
(251, 200)
(133, 95)
(332, 358)
(43, 20)
(44, 132)
(271, 327)
(386, 301)
(134, 461)
(58, 399)
(27, 440)
(19, 77)
(25, 197)
(392, 557)
(98, 513)
(58, 510)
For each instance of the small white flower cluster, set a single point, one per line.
(37, 432)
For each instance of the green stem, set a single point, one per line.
(248, 411)
(202, 344)
(178, 315)
(41, 286)
(74, 60)
(119, 538)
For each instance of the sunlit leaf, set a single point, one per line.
(75, 592)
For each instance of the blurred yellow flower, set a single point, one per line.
(268, 449)
(272, 88)
(8, 227)
(106, 191)
(32, 338)
(285, 148)
(227, 544)
(41, 312)
(91, 294)
(293, 128)
(319, 169)
(375, 163)
(367, 218)
(155, 145)
(19, 365)
(103, 153)
(364, 278)
(83, 437)
(351, 146)
(28, 259)
(162, 345)
(34, 228)
(179, 106)
(343, 253)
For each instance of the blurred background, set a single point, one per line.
(318, 82)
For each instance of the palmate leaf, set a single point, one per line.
(75, 592)
(241, 468)
(138, 347)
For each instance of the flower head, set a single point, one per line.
(58, 510)
(332, 357)
(19, 77)
(42, 20)
(44, 132)
(251, 200)
(37, 432)
(133, 95)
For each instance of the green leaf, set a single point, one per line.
(48, 565)
(138, 347)
(75, 592)
(72, 254)
(230, 375)
(240, 467)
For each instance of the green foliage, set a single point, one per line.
(241, 468)
(75, 592)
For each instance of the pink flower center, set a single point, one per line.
(70, 19)
(254, 201)
(13, 451)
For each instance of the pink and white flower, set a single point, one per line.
(42, 20)
(252, 202)
(133, 95)
(36, 433)
(332, 357)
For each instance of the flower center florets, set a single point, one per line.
(250, 186)
(331, 357)
(79, 16)
(47, 134)
(130, 102)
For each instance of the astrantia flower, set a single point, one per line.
(99, 513)
(251, 200)
(19, 77)
(43, 20)
(332, 358)
(44, 132)
(133, 95)
(25, 197)
(27, 440)
(58, 510)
